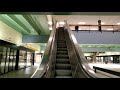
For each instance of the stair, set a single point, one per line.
(62, 67)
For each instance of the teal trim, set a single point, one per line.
(12, 24)
(19, 22)
(25, 22)
(35, 38)
(32, 23)
(42, 22)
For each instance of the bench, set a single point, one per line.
(107, 71)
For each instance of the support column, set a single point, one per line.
(33, 58)
(17, 59)
(94, 56)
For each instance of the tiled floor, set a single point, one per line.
(27, 73)
(22, 73)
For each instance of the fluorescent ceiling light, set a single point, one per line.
(57, 24)
(61, 22)
(42, 51)
(81, 23)
(93, 29)
(50, 28)
(110, 29)
(50, 23)
(118, 23)
(102, 23)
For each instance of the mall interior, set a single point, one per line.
(60, 45)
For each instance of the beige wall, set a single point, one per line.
(9, 34)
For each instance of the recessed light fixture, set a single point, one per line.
(50, 28)
(110, 29)
(61, 22)
(102, 23)
(118, 23)
(50, 23)
(81, 23)
(57, 24)
(93, 29)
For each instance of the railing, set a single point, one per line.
(107, 71)
(98, 27)
(81, 63)
(44, 67)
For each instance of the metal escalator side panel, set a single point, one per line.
(73, 59)
(85, 68)
(82, 60)
(44, 65)
(52, 59)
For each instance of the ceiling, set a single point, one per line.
(37, 23)
(27, 24)
(90, 19)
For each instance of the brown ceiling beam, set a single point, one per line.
(92, 25)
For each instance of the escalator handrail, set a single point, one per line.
(82, 62)
(42, 68)
(51, 57)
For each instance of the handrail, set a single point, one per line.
(52, 57)
(75, 70)
(40, 71)
(82, 60)
(106, 70)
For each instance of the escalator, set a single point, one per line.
(62, 66)
(63, 57)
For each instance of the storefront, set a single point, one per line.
(7, 57)
(13, 57)
(25, 57)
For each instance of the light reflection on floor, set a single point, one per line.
(108, 65)
(36, 64)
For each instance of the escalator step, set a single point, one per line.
(62, 52)
(63, 77)
(61, 46)
(63, 66)
(61, 41)
(59, 54)
(62, 56)
(65, 61)
(63, 73)
(62, 49)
